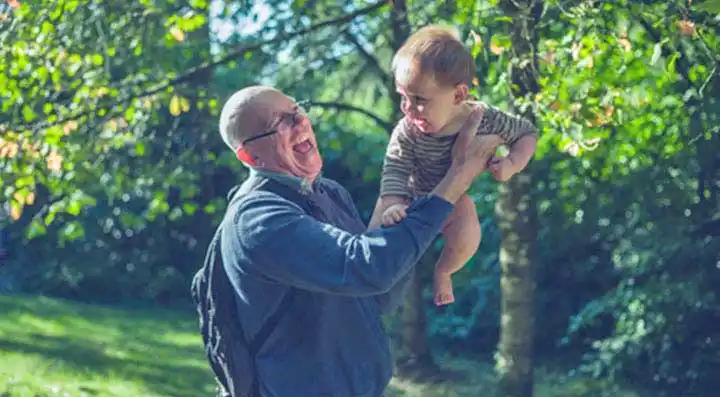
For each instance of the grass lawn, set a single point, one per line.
(51, 347)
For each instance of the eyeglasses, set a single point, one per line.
(293, 119)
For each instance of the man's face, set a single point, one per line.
(285, 141)
(428, 105)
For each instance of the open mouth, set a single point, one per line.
(421, 123)
(303, 147)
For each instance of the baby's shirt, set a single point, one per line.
(415, 162)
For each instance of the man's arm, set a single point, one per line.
(393, 297)
(281, 242)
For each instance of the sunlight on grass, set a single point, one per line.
(24, 375)
(51, 347)
(476, 379)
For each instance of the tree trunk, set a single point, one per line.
(517, 219)
(415, 358)
(400, 33)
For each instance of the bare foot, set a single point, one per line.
(443, 289)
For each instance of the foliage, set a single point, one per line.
(86, 99)
(644, 194)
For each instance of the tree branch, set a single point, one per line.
(385, 77)
(208, 66)
(350, 108)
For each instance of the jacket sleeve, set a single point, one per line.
(276, 239)
(390, 300)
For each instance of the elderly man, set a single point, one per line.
(299, 258)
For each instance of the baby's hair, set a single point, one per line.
(436, 50)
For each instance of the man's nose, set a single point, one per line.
(302, 119)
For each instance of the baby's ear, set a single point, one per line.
(461, 93)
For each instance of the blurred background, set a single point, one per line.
(603, 259)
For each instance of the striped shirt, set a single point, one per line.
(415, 162)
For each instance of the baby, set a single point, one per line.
(433, 72)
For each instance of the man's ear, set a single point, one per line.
(243, 155)
(461, 93)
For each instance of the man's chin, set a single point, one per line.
(309, 167)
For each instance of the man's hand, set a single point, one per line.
(468, 131)
(502, 168)
(466, 166)
(394, 213)
(478, 154)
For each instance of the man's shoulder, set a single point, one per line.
(254, 199)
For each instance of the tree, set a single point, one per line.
(517, 218)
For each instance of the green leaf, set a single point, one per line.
(672, 61)
(190, 208)
(504, 18)
(36, 229)
(335, 145)
(28, 114)
(47, 28)
(73, 231)
(140, 149)
(201, 4)
(53, 135)
(74, 207)
(657, 51)
(50, 217)
(129, 114)
(27, 180)
(709, 6)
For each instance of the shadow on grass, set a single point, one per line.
(161, 349)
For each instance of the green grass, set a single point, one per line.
(472, 378)
(51, 347)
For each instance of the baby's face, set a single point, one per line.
(428, 105)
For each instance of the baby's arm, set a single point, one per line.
(397, 165)
(519, 133)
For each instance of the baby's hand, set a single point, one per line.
(502, 168)
(393, 214)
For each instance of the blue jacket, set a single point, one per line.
(331, 342)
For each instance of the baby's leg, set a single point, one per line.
(462, 237)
